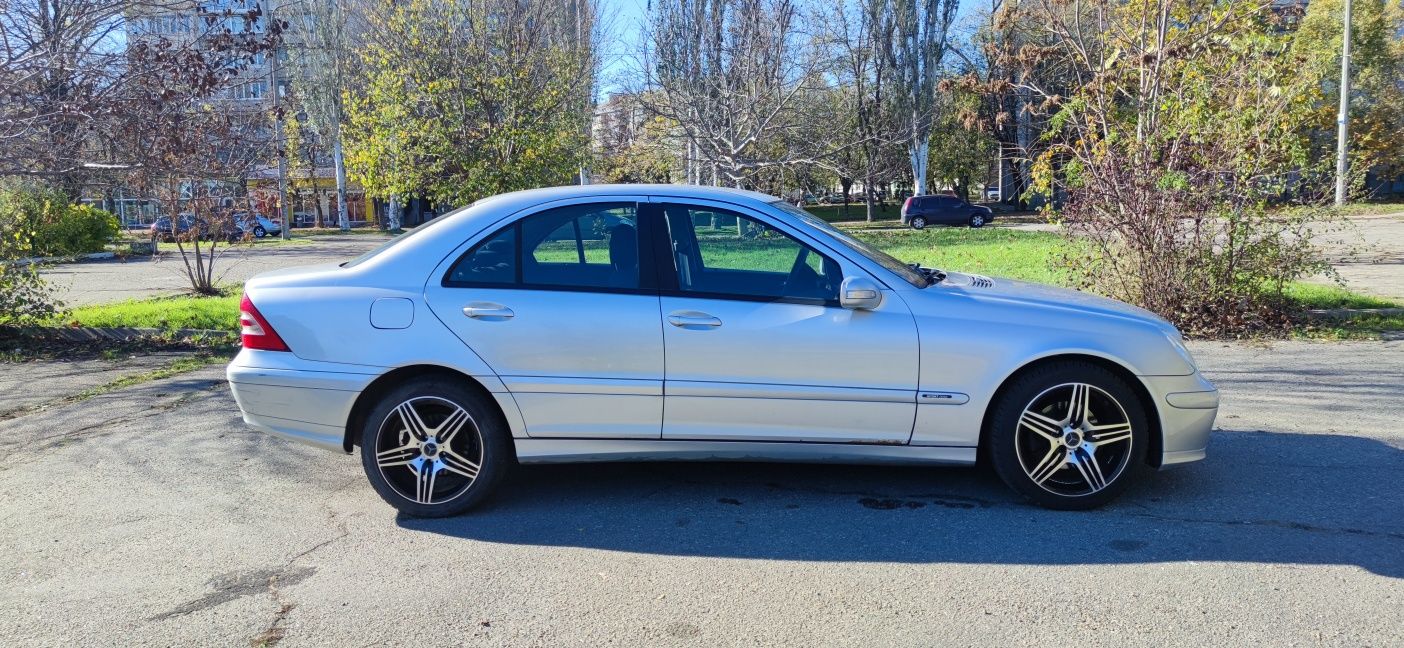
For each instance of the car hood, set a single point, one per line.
(1026, 293)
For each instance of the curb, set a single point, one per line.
(93, 334)
(1351, 313)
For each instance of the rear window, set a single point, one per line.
(398, 240)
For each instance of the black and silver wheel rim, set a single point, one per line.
(1073, 439)
(429, 450)
(918, 222)
(259, 232)
(977, 220)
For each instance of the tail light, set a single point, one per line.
(255, 333)
(906, 203)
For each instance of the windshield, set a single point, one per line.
(907, 272)
(399, 239)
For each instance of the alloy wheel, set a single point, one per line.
(1073, 439)
(429, 450)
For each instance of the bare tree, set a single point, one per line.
(922, 29)
(861, 122)
(729, 73)
(183, 141)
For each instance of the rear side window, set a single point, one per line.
(578, 246)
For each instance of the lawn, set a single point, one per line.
(167, 313)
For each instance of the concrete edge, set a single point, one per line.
(94, 334)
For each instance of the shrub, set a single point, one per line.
(54, 225)
(24, 296)
(1173, 157)
(75, 229)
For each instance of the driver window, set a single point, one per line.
(724, 253)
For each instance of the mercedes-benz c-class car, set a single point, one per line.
(636, 322)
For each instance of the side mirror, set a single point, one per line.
(859, 293)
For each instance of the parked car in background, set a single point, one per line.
(621, 323)
(831, 199)
(162, 228)
(992, 194)
(920, 211)
(257, 224)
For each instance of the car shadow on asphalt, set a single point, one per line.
(1261, 497)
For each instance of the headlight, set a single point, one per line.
(1178, 343)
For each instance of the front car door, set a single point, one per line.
(758, 348)
(555, 303)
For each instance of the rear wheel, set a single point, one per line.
(259, 232)
(977, 220)
(918, 222)
(434, 448)
(1068, 435)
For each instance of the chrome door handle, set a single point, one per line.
(488, 312)
(692, 320)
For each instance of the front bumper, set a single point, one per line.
(1187, 406)
(296, 399)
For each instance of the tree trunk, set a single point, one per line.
(847, 184)
(392, 214)
(919, 152)
(340, 162)
(868, 193)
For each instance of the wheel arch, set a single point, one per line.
(398, 376)
(1155, 435)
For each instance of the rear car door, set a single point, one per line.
(757, 346)
(555, 303)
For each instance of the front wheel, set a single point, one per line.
(918, 222)
(259, 232)
(977, 220)
(434, 448)
(1068, 435)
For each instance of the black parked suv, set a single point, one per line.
(920, 211)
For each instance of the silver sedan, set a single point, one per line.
(634, 322)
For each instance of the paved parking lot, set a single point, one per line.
(94, 282)
(152, 516)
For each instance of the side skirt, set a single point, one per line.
(595, 450)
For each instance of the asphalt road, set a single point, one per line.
(151, 516)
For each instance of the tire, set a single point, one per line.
(918, 222)
(1069, 465)
(394, 458)
(259, 232)
(977, 220)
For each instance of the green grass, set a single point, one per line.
(167, 313)
(993, 251)
(1327, 296)
(1363, 327)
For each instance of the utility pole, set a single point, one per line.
(1343, 117)
(283, 203)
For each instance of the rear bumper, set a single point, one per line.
(1187, 406)
(282, 396)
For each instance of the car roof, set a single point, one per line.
(530, 197)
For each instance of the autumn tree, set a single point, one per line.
(1169, 151)
(466, 98)
(1377, 93)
